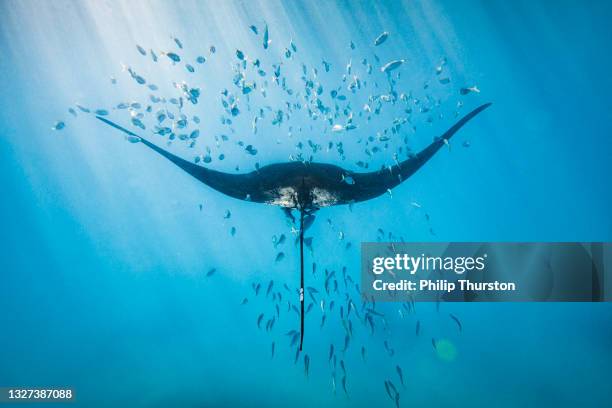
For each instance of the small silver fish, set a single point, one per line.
(471, 89)
(174, 57)
(306, 364)
(270, 285)
(390, 66)
(457, 321)
(259, 319)
(400, 375)
(381, 38)
(344, 384)
(266, 38)
(348, 179)
(59, 125)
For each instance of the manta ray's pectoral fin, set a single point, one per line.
(373, 184)
(241, 186)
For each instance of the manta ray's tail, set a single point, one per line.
(301, 278)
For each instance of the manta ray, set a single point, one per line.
(306, 186)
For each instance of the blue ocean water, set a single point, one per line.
(105, 250)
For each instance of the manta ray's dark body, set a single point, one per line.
(307, 187)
